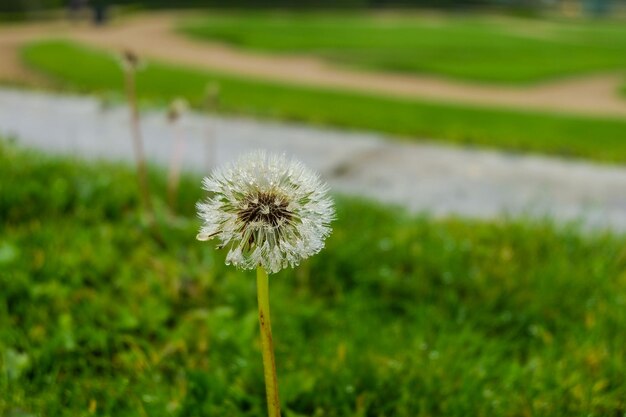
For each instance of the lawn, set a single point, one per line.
(95, 71)
(399, 316)
(485, 49)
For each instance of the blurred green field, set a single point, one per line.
(78, 68)
(476, 48)
(399, 316)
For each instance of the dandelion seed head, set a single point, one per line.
(130, 61)
(268, 210)
(176, 109)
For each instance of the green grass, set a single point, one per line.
(486, 49)
(399, 316)
(94, 71)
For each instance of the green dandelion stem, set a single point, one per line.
(267, 345)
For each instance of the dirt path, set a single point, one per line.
(153, 36)
(11, 38)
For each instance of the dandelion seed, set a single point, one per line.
(269, 211)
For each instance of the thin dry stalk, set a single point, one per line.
(140, 159)
(130, 64)
(173, 179)
(212, 101)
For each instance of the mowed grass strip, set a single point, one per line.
(485, 49)
(398, 316)
(89, 70)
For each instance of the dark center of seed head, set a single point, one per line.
(269, 208)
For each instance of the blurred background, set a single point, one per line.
(531, 7)
(475, 150)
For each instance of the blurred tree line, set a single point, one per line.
(24, 6)
(311, 4)
(16, 6)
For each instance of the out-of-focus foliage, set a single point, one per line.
(399, 316)
(33, 5)
(593, 6)
(16, 6)
(333, 4)
(597, 7)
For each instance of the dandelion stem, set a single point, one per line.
(173, 179)
(137, 142)
(267, 346)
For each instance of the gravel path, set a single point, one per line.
(422, 177)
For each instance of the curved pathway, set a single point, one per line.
(425, 177)
(152, 35)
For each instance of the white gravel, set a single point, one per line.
(437, 179)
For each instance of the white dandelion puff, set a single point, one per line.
(269, 211)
